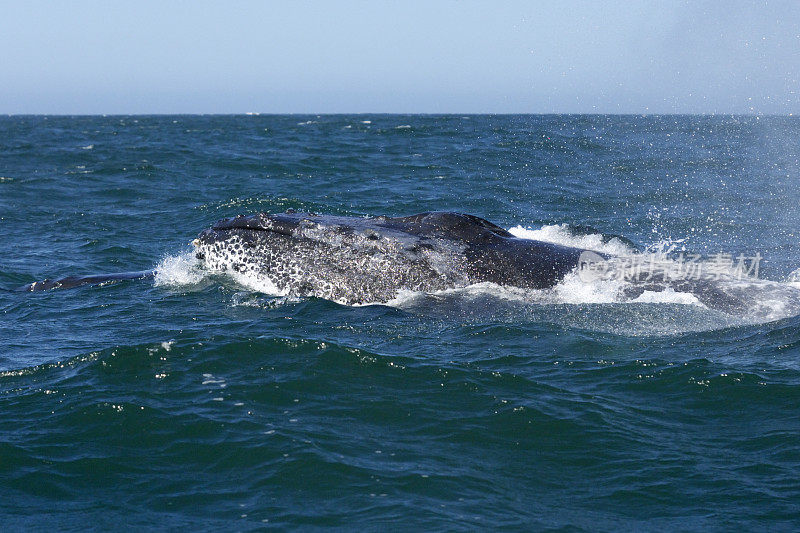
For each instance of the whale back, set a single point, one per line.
(491, 252)
(448, 225)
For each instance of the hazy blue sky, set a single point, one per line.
(464, 57)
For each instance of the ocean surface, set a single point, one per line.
(195, 401)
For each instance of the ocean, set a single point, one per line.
(194, 400)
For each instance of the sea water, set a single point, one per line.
(199, 400)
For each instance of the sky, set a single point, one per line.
(614, 56)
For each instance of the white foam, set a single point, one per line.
(405, 297)
(668, 295)
(560, 234)
(261, 301)
(794, 278)
(181, 269)
(257, 283)
(572, 290)
(165, 345)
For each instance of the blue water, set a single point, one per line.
(193, 401)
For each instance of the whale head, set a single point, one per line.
(346, 259)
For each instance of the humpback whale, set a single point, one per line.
(359, 260)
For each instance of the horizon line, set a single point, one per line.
(390, 113)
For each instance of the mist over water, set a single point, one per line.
(199, 399)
